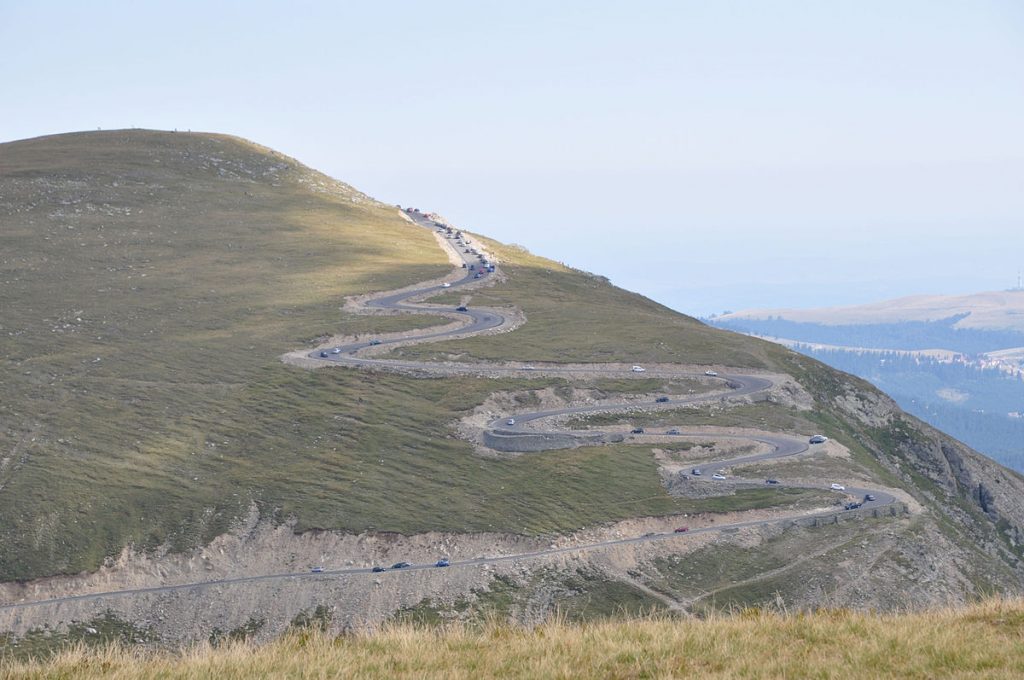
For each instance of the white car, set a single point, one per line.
(837, 487)
(510, 421)
(336, 350)
(713, 374)
(819, 439)
(718, 475)
(638, 369)
(446, 285)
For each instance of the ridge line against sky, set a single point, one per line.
(710, 155)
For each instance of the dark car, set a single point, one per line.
(869, 497)
(464, 265)
(323, 354)
(374, 342)
(442, 563)
(461, 308)
(673, 431)
(682, 530)
(637, 430)
(661, 400)
(400, 565)
(771, 481)
(317, 570)
(695, 472)
(852, 506)
(377, 570)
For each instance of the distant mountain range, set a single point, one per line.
(955, 361)
(995, 310)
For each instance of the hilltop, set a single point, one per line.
(153, 436)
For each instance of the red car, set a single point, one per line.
(681, 530)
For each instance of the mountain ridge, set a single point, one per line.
(187, 263)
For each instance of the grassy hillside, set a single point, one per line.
(981, 641)
(151, 280)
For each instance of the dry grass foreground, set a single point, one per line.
(981, 641)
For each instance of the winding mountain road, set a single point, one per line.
(481, 320)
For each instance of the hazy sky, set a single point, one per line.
(711, 155)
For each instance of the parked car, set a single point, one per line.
(837, 487)
(378, 569)
(771, 481)
(637, 430)
(661, 400)
(818, 439)
(510, 421)
(336, 350)
(317, 570)
(718, 475)
(852, 506)
(696, 472)
(461, 308)
(869, 497)
(323, 354)
(681, 530)
(638, 369)
(442, 563)
(477, 275)
(400, 565)
(713, 374)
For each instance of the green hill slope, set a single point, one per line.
(152, 280)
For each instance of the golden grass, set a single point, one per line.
(981, 641)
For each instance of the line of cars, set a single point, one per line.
(443, 562)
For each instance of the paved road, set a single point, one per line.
(479, 320)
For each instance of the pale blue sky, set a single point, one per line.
(711, 155)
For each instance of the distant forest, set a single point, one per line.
(965, 401)
(905, 335)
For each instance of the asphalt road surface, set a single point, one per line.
(479, 320)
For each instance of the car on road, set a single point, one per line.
(638, 369)
(771, 481)
(713, 374)
(400, 565)
(818, 439)
(378, 569)
(336, 350)
(869, 497)
(510, 421)
(461, 308)
(529, 368)
(446, 285)
(673, 431)
(718, 475)
(323, 354)
(661, 400)
(375, 342)
(649, 534)
(317, 570)
(442, 563)
(837, 487)
(637, 430)
(681, 530)
(696, 472)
